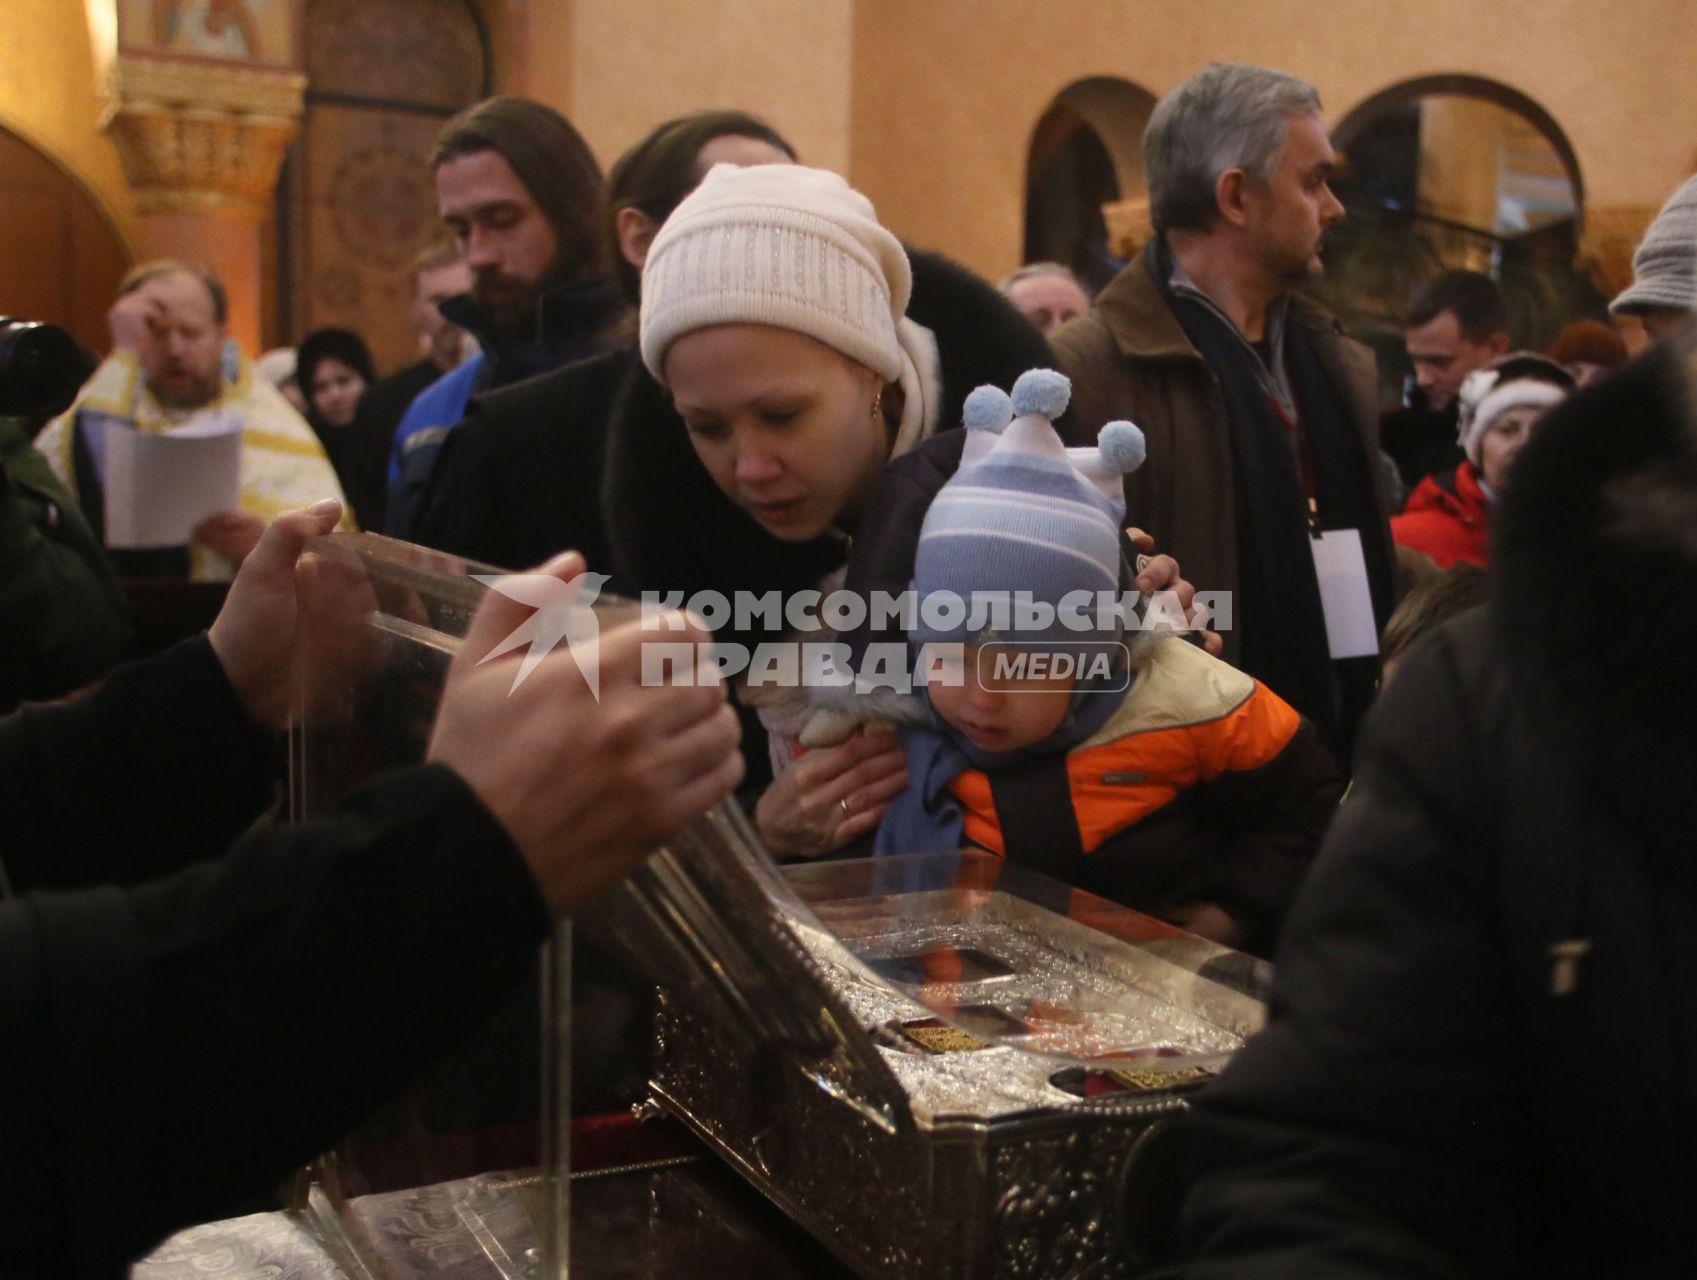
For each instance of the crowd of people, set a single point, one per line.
(715, 372)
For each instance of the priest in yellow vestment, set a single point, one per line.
(172, 367)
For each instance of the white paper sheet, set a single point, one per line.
(1341, 567)
(160, 485)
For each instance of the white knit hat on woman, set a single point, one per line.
(781, 245)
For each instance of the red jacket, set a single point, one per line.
(1447, 518)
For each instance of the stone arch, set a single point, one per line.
(1466, 86)
(1086, 197)
(65, 254)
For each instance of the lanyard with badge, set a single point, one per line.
(1340, 567)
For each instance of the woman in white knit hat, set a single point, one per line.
(776, 312)
(773, 308)
(1447, 518)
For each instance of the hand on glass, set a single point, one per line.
(254, 633)
(1208, 920)
(586, 787)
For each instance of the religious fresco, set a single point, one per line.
(260, 32)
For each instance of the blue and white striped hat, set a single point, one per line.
(1024, 513)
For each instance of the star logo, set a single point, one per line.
(563, 612)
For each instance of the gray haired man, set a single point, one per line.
(1261, 416)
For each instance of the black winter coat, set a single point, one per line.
(365, 474)
(519, 480)
(1483, 1055)
(180, 1032)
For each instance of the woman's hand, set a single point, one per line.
(831, 795)
(1161, 573)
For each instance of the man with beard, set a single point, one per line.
(1261, 416)
(173, 367)
(522, 194)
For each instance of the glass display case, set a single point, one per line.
(939, 1065)
(479, 1148)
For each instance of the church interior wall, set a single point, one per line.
(47, 97)
(930, 107)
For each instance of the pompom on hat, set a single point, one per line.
(1664, 269)
(1024, 513)
(779, 245)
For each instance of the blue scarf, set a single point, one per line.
(926, 818)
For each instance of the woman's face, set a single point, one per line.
(1503, 441)
(787, 427)
(335, 392)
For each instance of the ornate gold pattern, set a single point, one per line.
(1129, 227)
(195, 137)
(1157, 1078)
(945, 1039)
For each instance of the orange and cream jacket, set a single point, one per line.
(1203, 786)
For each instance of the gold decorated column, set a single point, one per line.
(201, 115)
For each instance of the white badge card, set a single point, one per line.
(1341, 567)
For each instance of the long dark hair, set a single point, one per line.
(556, 166)
(657, 173)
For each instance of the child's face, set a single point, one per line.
(999, 713)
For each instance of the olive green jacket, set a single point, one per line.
(63, 620)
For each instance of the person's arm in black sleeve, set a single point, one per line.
(454, 510)
(175, 1048)
(1271, 820)
(158, 767)
(1372, 1129)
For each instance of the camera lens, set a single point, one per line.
(40, 369)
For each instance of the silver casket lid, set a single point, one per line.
(918, 987)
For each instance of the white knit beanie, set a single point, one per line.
(1664, 269)
(782, 245)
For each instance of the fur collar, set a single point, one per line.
(1595, 586)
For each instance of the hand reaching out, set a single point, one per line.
(586, 787)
